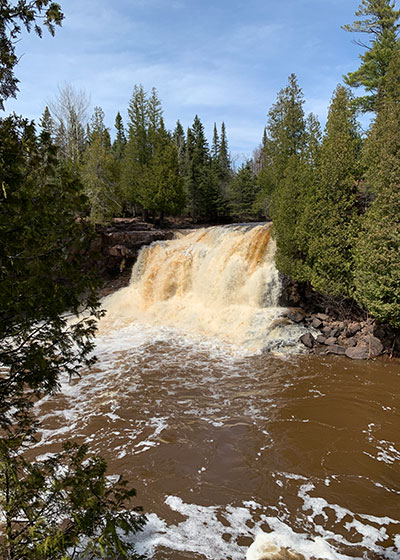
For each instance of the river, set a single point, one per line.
(236, 443)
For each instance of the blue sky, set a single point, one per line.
(224, 61)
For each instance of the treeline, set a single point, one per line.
(148, 170)
(335, 198)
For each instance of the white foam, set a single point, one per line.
(212, 533)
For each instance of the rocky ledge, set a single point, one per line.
(116, 247)
(355, 339)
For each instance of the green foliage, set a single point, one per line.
(380, 21)
(63, 507)
(332, 212)
(150, 168)
(100, 172)
(377, 274)
(287, 167)
(13, 17)
(284, 138)
(165, 192)
(42, 239)
(120, 138)
(243, 191)
(200, 188)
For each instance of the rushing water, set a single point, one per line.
(227, 445)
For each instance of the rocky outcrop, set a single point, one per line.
(357, 340)
(116, 247)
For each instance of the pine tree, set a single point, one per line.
(332, 212)
(377, 276)
(380, 21)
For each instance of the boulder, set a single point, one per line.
(316, 323)
(321, 339)
(375, 346)
(359, 352)
(295, 315)
(331, 340)
(336, 349)
(308, 340)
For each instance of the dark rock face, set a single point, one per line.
(116, 247)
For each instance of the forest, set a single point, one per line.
(333, 197)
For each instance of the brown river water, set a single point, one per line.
(239, 445)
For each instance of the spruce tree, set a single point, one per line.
(120, 138)
(286, 171)
(137, 153)
(332, 211)
(380, 22)
(377, 274)
(200, 188)
(284, 137)
(243, 191)
(180, 143)
(47, 123)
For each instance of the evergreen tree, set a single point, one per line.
(224, 174)
(243, 191)
(287, 175)
(47, 124)
(120, 138)
(215, 147)
(137, 153)
(201, 191)
(380, 22)
(377, 275)
(13, 17)
(332, 212)
(180, 143)
(284, 137)
(99, 172)
(165, 184)
(57, 508)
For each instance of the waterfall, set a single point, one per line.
(214, 282)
